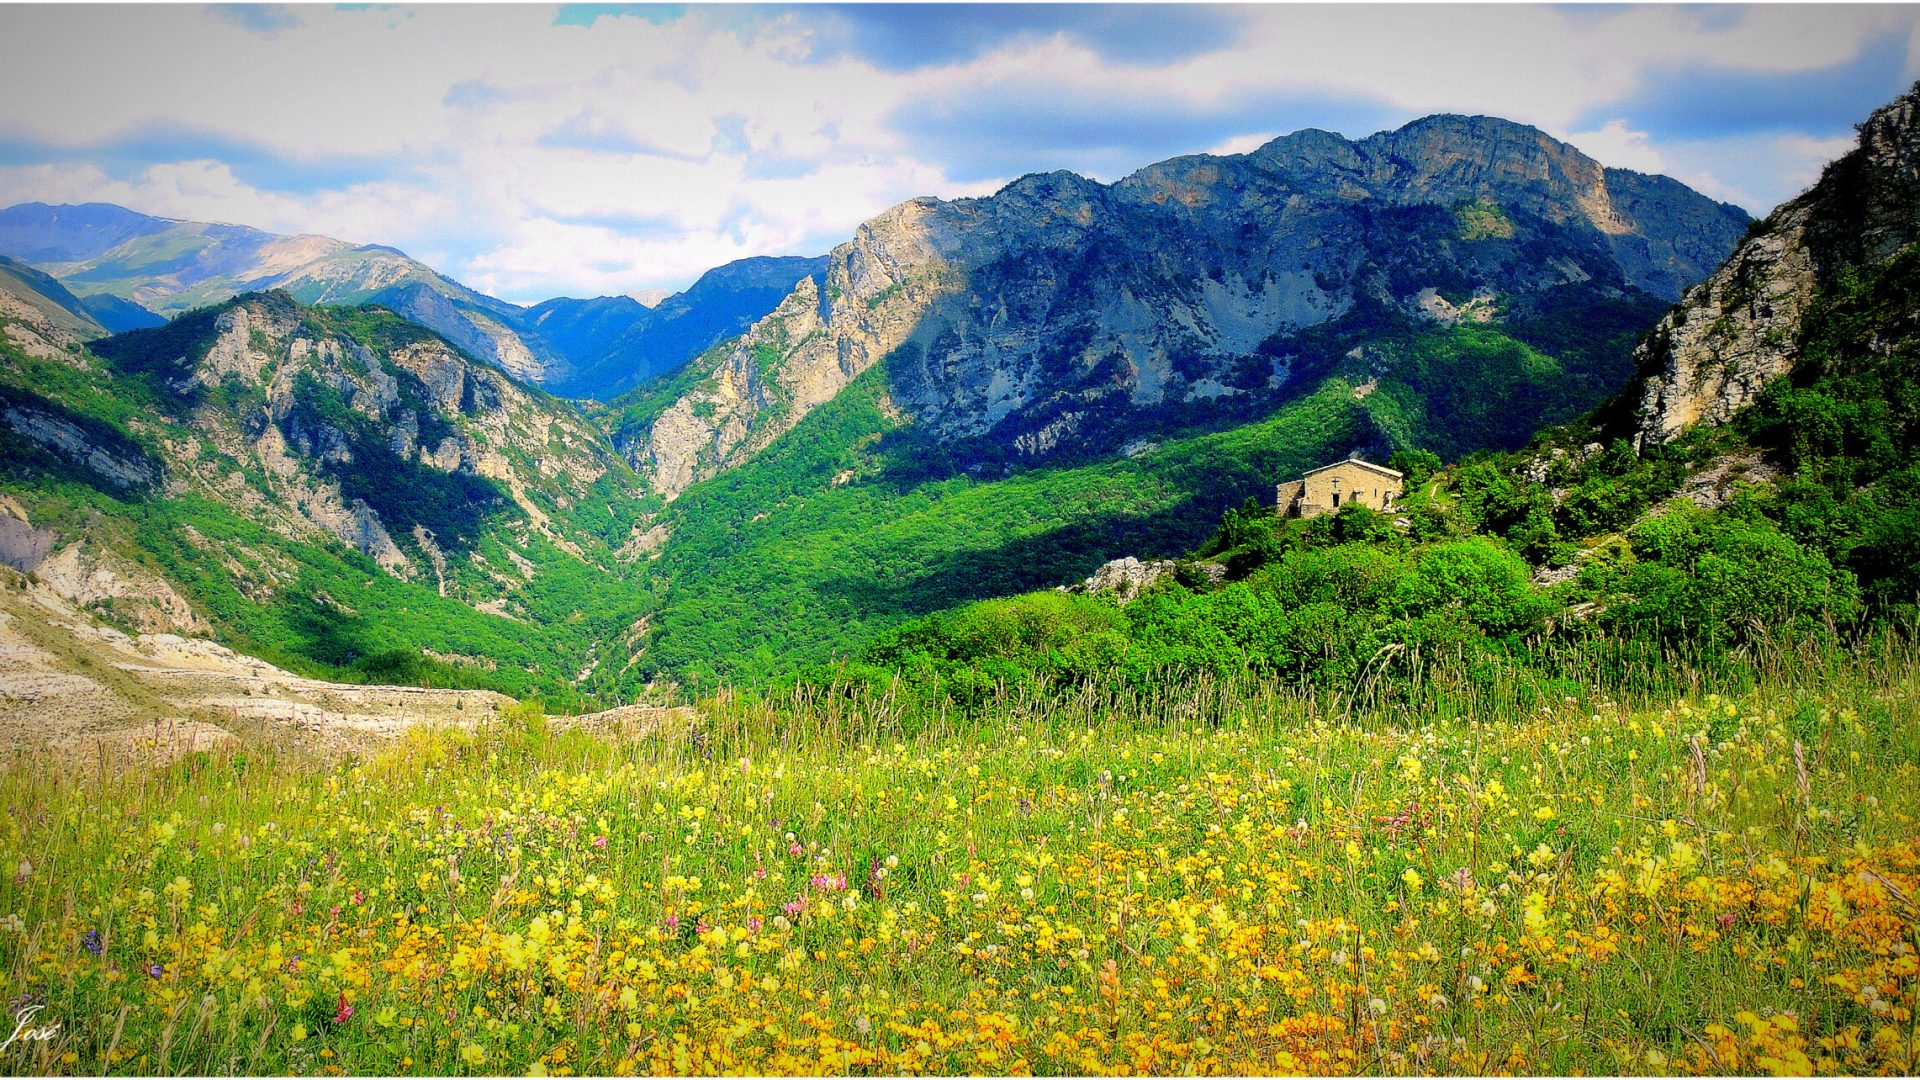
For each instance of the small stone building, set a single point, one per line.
(1329, 487)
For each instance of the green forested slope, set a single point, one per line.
(1808, 538)
(854, 522)
(133, 455)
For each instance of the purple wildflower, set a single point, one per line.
(93, 942)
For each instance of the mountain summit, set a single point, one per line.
(132, 271)
(1063, 316)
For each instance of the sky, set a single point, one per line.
(594, 149)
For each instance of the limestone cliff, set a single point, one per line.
(1061, 314)
(1739, 329)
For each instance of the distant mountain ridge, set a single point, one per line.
(37, 232)
(1061, 315)
(133, 270)
(167, 267)
(620, 342)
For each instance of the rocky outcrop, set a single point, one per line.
(118, 464)
(481, 333)
(22, 546)
(1737, 331)
(1059, 313)
(816, 342)
(111, 586)
(1732, 334)
(93, 579)
(1127, 579)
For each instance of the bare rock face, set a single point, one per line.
(1055, 314)
(1732, 334)
(818, 340)
(482, 333)
(22, 546)
(1738, 330)
(1126, 579)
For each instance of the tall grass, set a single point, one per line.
(1230, 876)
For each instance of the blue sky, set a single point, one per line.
(585, 149)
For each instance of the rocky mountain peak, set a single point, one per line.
(1309, 147)
(363, 426)
(1059, 311)
(1868, 202)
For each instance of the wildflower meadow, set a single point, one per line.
(1723, 883)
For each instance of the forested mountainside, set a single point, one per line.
(969, 400)
(1757, 489)
(902, 437)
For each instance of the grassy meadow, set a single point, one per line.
(1223, 879)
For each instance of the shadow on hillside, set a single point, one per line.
(1021, 564)
(327, 635)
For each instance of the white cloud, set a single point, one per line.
(1619, 146)
(1241, 144)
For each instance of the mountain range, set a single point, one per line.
(1065, 317)
(969, 398)
(132, 270)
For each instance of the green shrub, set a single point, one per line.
(1720, 581)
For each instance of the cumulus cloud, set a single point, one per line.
(600, 148)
